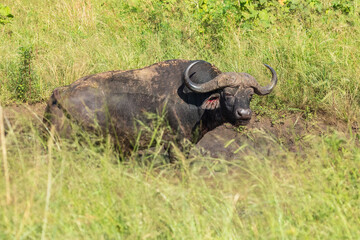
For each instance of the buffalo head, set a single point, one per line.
(231, 93)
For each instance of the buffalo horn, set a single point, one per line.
(227, 80)
(214, 84)
(267, 89)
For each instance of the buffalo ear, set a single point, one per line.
(211, 102)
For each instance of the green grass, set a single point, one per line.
(315, 54)
(80, 189)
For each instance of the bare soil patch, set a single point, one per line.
(32, 113)
(263, 136)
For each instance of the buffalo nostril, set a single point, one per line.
(243, 113)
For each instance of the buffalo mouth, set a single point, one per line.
(240, 122)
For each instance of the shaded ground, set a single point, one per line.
(16, 114)
(262, 136)
(32, 112)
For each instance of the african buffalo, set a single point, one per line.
(196, 97)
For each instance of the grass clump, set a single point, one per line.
(92, 193)
(24, 83)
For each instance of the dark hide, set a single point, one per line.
(110, 101)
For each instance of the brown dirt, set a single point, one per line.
(262, 136)
(32, 112)
(16, 115)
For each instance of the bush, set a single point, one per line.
(24, 81)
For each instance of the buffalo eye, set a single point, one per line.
(250, 93)
(227, 94)
(229, 98)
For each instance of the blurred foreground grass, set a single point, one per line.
(82, 190)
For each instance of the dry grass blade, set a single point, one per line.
(49, 182)
(4, 157)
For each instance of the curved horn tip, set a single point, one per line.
(192, 86)
(208, 86)
(268, 66)
(272, 70)
(267, 89)
(192, 64)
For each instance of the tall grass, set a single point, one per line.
(80, 190)
(315, 54)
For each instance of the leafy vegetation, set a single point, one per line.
(5, 14)
(81, 189)
(23, 81)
